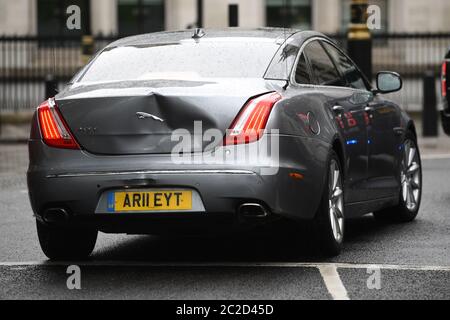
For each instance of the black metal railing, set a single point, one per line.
(25, 63)
(409, 54)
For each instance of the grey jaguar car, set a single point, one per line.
(153, 137)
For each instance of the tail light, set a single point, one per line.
(444, 79)
(251, 122)
(54, 130)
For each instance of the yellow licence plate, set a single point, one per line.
(141, 201)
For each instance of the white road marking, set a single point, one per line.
(226, 265)
(435, 156)
(22, 268)
(333, 282)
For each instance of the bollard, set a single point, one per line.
(430, 113)
(199, 13)
(87, 48)
(51, 86)
(360, 38)
(233, 15)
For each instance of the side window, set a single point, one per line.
(351, 74)
(302, 75)
(322, 66)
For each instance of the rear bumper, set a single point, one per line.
(159, 224)
(75, 181)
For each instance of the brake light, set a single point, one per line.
(251, 122)
(444, 79)
(54, 130)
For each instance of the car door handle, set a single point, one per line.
(399, 131)
(369, 109)
(338, 109)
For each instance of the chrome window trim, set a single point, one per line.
(300, 52)
(150, 172)
(302, 48)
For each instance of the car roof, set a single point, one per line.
(175, 36)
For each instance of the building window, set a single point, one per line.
(52, 17)
(140, 16)
(383, 4)
(289, 13)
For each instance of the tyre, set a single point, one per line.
(329, 224)
(60, 243)
(411, 186)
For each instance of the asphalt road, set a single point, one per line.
(413, 259)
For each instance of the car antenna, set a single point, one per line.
(198, 33)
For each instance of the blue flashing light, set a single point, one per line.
(352, 142)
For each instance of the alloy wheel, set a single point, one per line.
(410, 175)
(336, 202)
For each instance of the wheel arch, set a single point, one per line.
(338, 148)
(410, 127)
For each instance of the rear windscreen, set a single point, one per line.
(188, 60)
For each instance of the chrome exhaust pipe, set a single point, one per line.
(253, 210)
(55, 216)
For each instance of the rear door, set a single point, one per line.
(381, 118)
(349, 113)
(384, 133)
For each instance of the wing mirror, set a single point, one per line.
(388, 82)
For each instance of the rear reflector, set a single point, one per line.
(54, 130)
(444, 79)
(251, 122)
